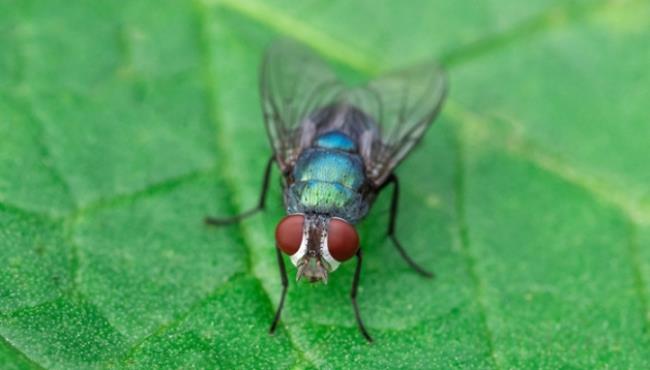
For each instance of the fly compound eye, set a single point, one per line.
(342, 240)
(288, 233)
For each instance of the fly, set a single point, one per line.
(337, 147)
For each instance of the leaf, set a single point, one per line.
(122, 125)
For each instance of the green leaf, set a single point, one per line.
(123, 124)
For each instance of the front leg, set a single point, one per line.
(353, 298)
(391, 226)
(214, 221)
(285, 284)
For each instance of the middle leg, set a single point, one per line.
(391, 227)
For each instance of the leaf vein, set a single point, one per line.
(600, 191)
(175, 322)
(220, 146)
(51, 163)
(8, 207)
(328, 45)
(549, 19)
(639, 281)
(518, 144)
(470, 259)
(156, 188)
(20, 353)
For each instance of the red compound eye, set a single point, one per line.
(342, 240)
(288, 234)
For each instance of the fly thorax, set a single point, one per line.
(328, 180)
(325, 198)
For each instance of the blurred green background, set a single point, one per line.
(122, 123)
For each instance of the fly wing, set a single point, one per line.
(403, 105)
(294, 84)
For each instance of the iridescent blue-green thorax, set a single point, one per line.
(328, 178)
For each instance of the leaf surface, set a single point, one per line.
(122, 125)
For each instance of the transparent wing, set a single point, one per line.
(403, 105)
(294, 84)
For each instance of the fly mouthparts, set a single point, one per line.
(324, 276)
(301, 270)
(315, 271)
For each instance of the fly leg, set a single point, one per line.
(353, 298)
(260, 205)
(391, 227)
(285, 284)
